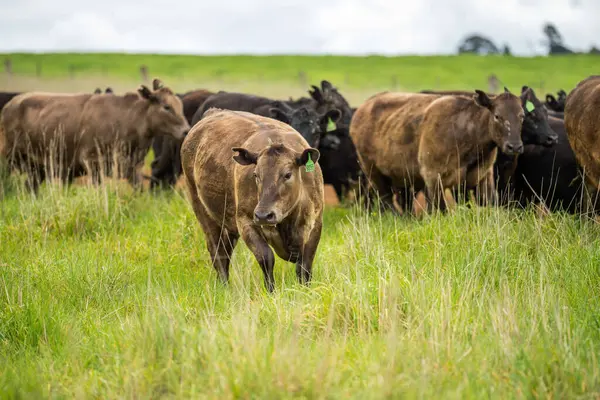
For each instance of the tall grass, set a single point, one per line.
(107, 293)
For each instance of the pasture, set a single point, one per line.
(109, 293)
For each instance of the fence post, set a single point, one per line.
(71, 71)
(38, 68)
(8, 66)
(144, 73)
(493, 83)
(394, 82)
(302, 79)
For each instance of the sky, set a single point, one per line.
(358, 27)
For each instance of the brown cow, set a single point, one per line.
(582, 120)
(459, 138)
(385, 131)
(266, 192)
(67, 135)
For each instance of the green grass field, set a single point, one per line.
(359, 77)
(106, 293)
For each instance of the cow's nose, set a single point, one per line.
(264, 217)
(511, 148)
(552, 140)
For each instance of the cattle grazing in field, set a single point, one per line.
(257, 178)
(66, 135)
(166, 166)
(407, 142)
(582, 121)
(542, 174)
(459, 138)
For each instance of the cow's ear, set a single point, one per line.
(326, 86)
(157, 84)
(279, 114)
(527, 94)
(244, 157)
(108, 90)
(551, 100)
(98, 91)
(310, 153)
(316, 94)
(482, 99)
(334, 115)
(147, 94)
(524, 88)
(506, 90)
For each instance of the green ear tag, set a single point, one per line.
(529, 106)
(310, 165)
(330, 125)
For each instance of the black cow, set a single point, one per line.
(340, 166)
(543, 174)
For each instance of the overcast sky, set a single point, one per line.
(294, 26)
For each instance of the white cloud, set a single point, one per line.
(295, 26)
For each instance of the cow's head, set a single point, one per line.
(311, 125)
(536, 129)
(278, 172)
(165, 111)
(328, 98)
(506, 119)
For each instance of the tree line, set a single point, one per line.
(479, 44)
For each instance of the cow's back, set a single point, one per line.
(582, 121)
(36, 122)
(231, 101)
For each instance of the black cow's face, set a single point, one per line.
(536, 129)
(307, 122)
(328, 98)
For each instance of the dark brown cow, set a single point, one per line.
(582, 120)
(459, 138)
(385, 132)
(263, 191)
(66, 135)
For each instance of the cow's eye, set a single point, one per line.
(255, 175)
(167, 107)
(287, 176)
(496, 118)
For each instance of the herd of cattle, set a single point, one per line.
(255, 167)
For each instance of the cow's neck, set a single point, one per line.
(481, 136)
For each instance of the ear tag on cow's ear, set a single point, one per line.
(310, 165)
(529, 106)
(330, 125)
